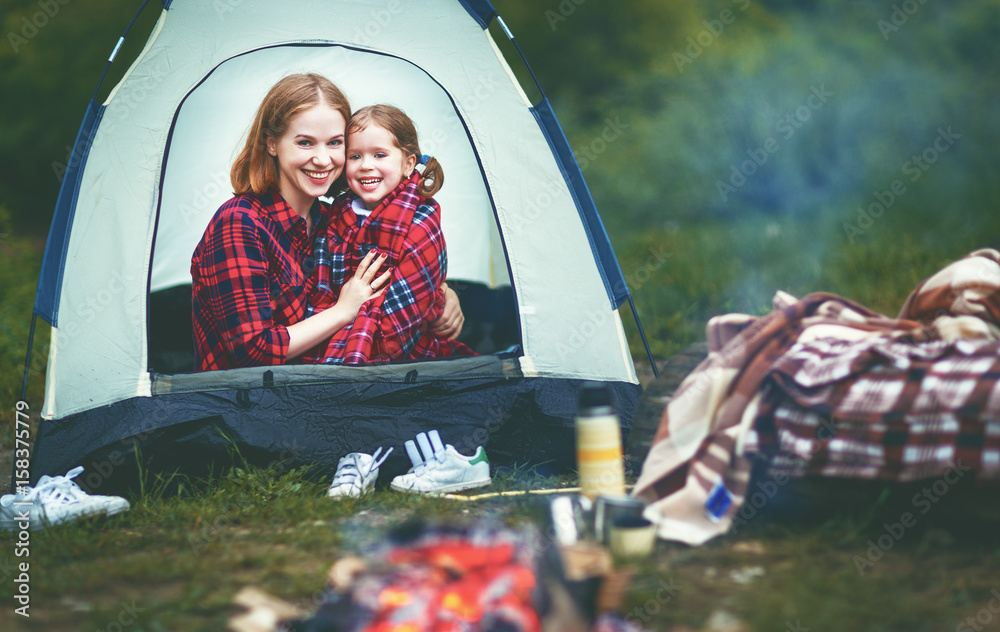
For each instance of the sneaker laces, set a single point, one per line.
(57, 490)
(351, 471)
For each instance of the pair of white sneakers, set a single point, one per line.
(55, 499)
(439, 469)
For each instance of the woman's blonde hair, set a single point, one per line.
(397, 123)
(255, 170)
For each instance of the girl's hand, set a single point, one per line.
(364, 285)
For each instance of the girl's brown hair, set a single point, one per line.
(255, 170)
(397, 123)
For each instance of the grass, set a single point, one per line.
(188, 545)
(178, 559)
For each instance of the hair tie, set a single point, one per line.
(422, 163)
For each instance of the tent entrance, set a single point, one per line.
(210, 127)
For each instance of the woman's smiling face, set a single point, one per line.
(310, 155)
(375, 165)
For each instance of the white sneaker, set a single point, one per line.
(441, 469)
(356, 473)
(53, 500)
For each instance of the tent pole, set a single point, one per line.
(517, 47)
(24, 392)
(27, 357)
(34, 316)
(642, 334)
(524, 60)
(111, 57)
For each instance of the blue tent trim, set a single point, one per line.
(600, 243)
(482, 10)
(54, 259)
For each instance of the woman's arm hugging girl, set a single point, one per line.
(251, 272)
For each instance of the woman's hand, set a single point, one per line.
(364, 285)
(449, 324)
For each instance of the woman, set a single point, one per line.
(253, 271)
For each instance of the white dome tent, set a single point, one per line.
(151, 166)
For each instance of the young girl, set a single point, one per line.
(389, 208)
(251, 274)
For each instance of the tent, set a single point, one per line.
(150, 166)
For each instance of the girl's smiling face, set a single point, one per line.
(375, 165)
(310, 155)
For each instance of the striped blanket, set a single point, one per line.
(824, 386)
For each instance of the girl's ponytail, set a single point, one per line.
(432, 176)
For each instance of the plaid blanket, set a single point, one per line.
(394, 325)
(823, 386)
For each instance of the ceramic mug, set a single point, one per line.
(632, 537)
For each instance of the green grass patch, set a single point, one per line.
(177, 559)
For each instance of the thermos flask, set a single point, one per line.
(599, 444)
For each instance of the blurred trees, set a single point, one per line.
(588, 48)
(722, 118)
(695, 88)
(51, 56)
